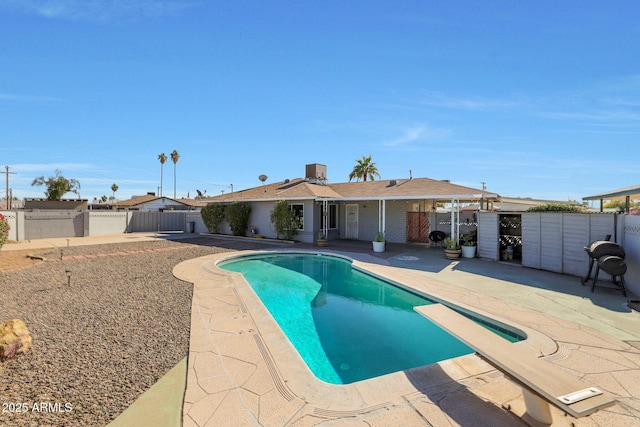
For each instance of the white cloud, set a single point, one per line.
(99, 10)
(27, 98)
(415, 134)
(474, 104)
(62, 166)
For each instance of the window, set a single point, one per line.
(332, 219)
(298, 213)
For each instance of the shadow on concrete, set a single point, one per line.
(455, 400)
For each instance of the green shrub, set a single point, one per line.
(237, 215)
(4, 230)
(284, 220)
(556, 207)
(212, 216)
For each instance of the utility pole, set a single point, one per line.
(8, 205)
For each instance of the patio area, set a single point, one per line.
(243, 371)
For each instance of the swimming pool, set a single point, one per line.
(347, 325)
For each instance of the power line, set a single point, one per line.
(6, 173)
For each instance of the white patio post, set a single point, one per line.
(455, 223)
(452, 219)
(325, 219)
(382, 207)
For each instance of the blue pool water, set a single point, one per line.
(346, 325)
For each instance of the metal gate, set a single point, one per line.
(157, 221)
(418, 227)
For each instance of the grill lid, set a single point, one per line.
(602, 248)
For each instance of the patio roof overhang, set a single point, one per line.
(625, 194)
(444, 198)
(439, 197)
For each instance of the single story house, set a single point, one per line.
(401, 209)
(153, 203)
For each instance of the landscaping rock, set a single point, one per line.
(14, 339)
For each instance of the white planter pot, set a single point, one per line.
(469, 251)
(378, 246)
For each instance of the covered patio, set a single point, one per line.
(627, 194)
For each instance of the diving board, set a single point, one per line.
(542, 383)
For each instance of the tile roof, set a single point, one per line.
(301, 189)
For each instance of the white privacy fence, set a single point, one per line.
(28, 225)
(546, 241)
(629, 227)
(556, 241)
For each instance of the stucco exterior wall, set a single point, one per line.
(109, 222)
(54, 223)
(260, 218)
(65, 204)
(196, 218)
(396, 222)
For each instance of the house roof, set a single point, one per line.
(135, 201)
(301, 189)
(619, 194)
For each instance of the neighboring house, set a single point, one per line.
(628, 194)
(153, 203)
(400, 208)
(515, 204)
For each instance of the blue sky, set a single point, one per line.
(537, 99)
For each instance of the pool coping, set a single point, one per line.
(242, 333)
(301, 380)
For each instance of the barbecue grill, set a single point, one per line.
(437, 236)
(609, 257)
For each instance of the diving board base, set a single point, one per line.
(536, 412)
(542, 383)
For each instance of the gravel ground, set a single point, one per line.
(102, 341)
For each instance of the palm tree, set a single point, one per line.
(114, 188)
(174, 158)
(163, 158)
(365, 168)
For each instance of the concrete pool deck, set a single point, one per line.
(242, 370)
(238, 372)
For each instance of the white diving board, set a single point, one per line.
(542, 383)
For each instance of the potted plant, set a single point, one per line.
(321, 240)
(379, 243)
(468, 247)
(452, 247)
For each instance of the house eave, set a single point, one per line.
(459, 197)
